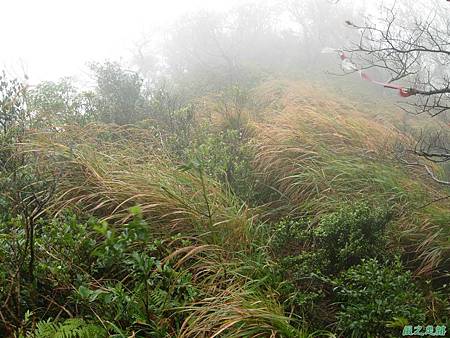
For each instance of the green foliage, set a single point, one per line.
(226, 156)
(59, 103)
(178, 126)
(14, 120)
(311, 252)
(231, 272)
(119, 94)
(149, 300)
(352, 233)
(13, 113)
(289, 235)
(373, 295)
(69, 328)
(170, 111)
(65, 249)
(154, 290)
(339, 240)
(139, 291)
(60, 257)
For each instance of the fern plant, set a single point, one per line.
(70, 328)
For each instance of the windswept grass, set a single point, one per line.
(317, 151)
(310, 153)
(314, 151)
(425, 234)
(115, 171)
(238, 313)
(234, 303)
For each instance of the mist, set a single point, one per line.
(53, 40)
(224, 168)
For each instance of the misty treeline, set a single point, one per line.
(398, 41)
(232, 180)
(247, 44)
(206, 52)
(202, 53)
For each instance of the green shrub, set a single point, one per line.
(226, 156)
(339, 240)
(120, 95)
(141, 291)
(115, 273)
(60, 103)
(62, 250)
(353, 232)
(289, 236)
(373, 295)
(149, 302)
(309, 254)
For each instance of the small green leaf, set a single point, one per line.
(84, 292)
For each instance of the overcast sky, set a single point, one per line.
(49, 39)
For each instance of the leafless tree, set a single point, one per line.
(411, 44)
(412, 47)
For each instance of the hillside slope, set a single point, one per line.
(281, 212)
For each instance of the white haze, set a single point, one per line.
(49, 39)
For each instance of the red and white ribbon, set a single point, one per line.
(349, 65)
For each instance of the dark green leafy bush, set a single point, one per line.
(352, 233)
(309, 254)
(120, 94)
(117, 274)
(373, 295)
(339, 240)
(290, 236)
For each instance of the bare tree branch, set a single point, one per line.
(410, 47)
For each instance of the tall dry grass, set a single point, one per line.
(314, 155)
(104, 171)
(317, 150)
(233, 303)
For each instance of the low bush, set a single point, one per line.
(374, 296)
(339, 240)
(226, 156)
(351, 233)
(311, 253)
(116, 274)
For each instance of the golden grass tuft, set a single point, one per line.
(311, 145)
(104, 173)
(236, 313)
(317, 150)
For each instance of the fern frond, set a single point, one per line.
(70, 328)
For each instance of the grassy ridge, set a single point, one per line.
(302, 155)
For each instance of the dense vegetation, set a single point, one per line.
(275, 211)
(229, 187)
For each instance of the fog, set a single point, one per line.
(203, 168)
(50, 39)
(204, 46)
